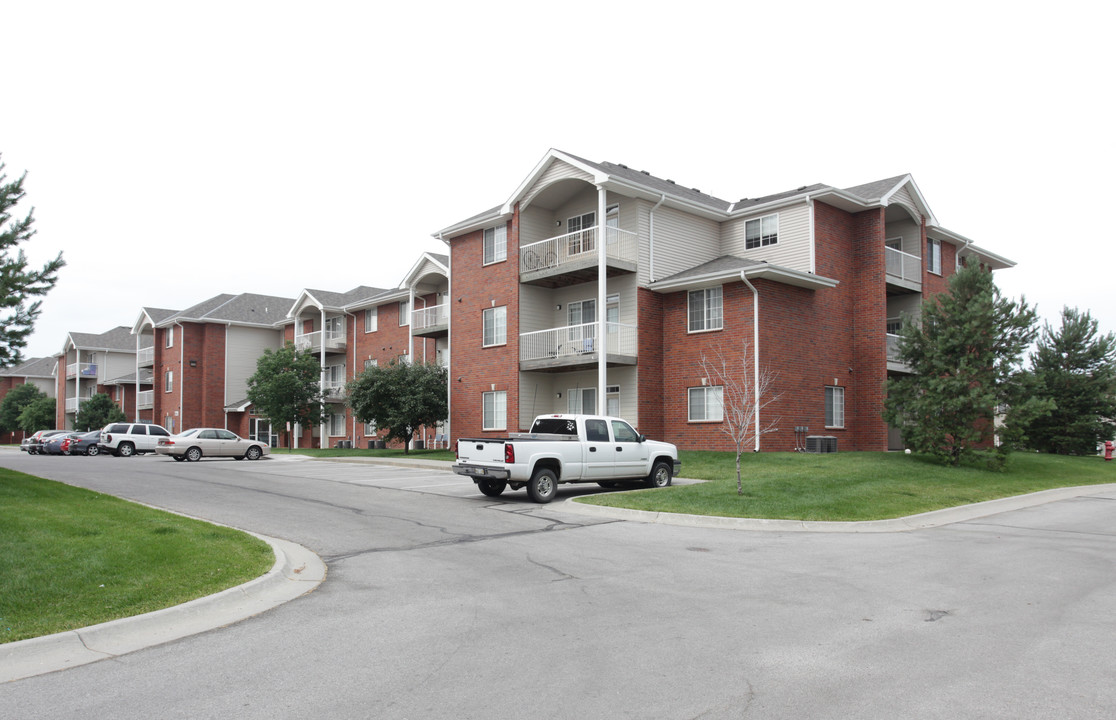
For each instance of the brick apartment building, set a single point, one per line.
(815, 280)
(94, 363)
(35, 371)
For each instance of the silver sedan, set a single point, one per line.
(197, 443)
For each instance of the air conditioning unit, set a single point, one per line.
(821, 444)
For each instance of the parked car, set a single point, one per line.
(196, 443)
(53, 445)
(33, 445)
(128, 439)
(83, 444)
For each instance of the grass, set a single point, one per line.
(364, 452)
(850, 486)
(70, 558)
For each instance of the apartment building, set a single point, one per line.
(34, 371)
(554, 310)
(90, 364)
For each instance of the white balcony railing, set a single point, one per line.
(892, 347)
(72, 404)
(334, 340)
(903, 265)
(574, 340)
(85, 370)
(429, 317)
(145, 356)
(563, 250)
(332, 390)
(145, 399)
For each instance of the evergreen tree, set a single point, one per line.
(96, 412)
(13, 404)
(400, 398)
(965, 355)
(18, 282)
(1075, 368)
(285, 387)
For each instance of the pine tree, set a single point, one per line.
(96, 412)
(965, 355)
(18, 282)
(1075, 368)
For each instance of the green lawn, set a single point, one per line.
(850, 486)
(70, 558)
(364, 452)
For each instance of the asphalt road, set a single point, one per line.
(442, 603)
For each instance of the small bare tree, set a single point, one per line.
(745, 392)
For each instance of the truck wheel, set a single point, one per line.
(492, 488)
(660, 475)
(543, 485)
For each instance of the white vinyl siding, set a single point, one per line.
(793, 249)
(834, 407)
(495, 245)
(495, 321)
(371, 319)
(495, 410)
(682, 241)
(542, 393)
(558, 170)
(243, 348)
(705, 404)
(704, 310)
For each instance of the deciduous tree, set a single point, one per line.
(400, 397)
(13, 404)
(96, 412)
(38, 415)
(285, 387)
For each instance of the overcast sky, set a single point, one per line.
(175, 151)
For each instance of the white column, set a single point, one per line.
(323, 440)
(602, 279)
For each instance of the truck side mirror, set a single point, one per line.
(642, 437)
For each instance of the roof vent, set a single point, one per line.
(743, 199)
(623, 166)
(695, 190)
(802, 188)
(671, 181)
(645, 172)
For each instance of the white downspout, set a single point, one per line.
(813, 240)
(651, 240)
(138, 338)
(755, 353)
(181, 371)
(602, 279)
(77, 387)
(323, 439)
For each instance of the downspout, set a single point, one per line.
(449, 334)
(138, 338)
(351, 369)
(755, 353)
(602, 279)
(651, 240)
(77, 387)
(323, 439)
(813, 240)
(181, 371)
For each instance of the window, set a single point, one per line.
(894, 326)
(495, 244)
(168, 381)
(582, 401)
(761, 232)
(370, 429)
(580, 233)
(404, 312)
(371, 320)
(612, 400)
(705, 404)
(371, 362)
(934, 256)
(705, 311)
(834, 406)
(495, 326)
(495, 412)
(168, 423)
(336, 424)
(169, 335)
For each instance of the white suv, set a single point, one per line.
(128, 439)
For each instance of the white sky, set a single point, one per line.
(177, 151)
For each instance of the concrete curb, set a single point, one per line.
(296, 572)
(931, 519)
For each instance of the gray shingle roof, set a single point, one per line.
(875, 190)
(721, 265)
(245, 308)
(336, 299)
(32, 367)
(119, 338)
(158, 315)
(659, 185)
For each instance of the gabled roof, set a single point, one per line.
(439, 261)
(226, 309)
(730, 267)
(329, 300)
(32, 367)
(151, 316)
(118, 339)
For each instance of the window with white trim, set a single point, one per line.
(404, 312)
(705, 310)
(580, 233)
(934, 256)
(371, 362)
(168, 381)
(761, 232)
(582, 401)
(336, 424)
(168, 334)
(834, 406)
(371, 319)
(370, 429)
(495, 410)
(705, 404)
(495, 321)
(495, 245)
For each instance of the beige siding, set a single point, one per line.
(791, 251)
(538, 392)
(558, 170)
(45, 384)
(910, 304)
(536, 308)
(115, 364)
(681, 241)
(910, 233)
(243, 347)
(535, 225)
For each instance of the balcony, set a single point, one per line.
(430, 321)
(903, 270)
(145, 357)
(333, 391)
(893, 361)
(575, 346)
(72, 404)
(145, 399)
(334, 341)
(572, 258)
(85, 370)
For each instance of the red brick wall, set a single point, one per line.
(477, 287)
(649, 370)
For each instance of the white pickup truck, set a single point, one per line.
(566, 449)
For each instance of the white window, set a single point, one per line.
(168, 381)
(404, 312)
(371, 362)
(582, 401)
(169, 335)
(495, 326)
(705, 404)
(580, 231)
(336, 424)
(761, 232)
(371, 320)
(370, 429)
(495, 244)
(495, 413)
(612, 400)
(834, 406)
(705, 310)
(119, 393)
(934, 256)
